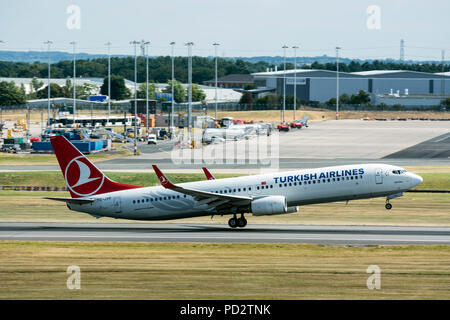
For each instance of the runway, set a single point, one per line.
(211, 233)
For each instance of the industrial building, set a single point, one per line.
(320, 85)
(234, 81)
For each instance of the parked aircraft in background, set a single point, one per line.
(268, 194)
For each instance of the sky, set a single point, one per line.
(363, 29)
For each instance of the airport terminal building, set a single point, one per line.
(415, 88)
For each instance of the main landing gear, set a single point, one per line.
(237, 222)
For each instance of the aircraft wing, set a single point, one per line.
(71, 200)
(204, 197)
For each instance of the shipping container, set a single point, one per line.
(42, 146)
(82, 146)
(96, 145)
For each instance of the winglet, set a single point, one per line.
(163, 179)
(208, 174)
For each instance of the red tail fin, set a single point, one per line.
(82, 178)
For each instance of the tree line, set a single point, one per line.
(160, 72)
(160, 68)
(203, 68)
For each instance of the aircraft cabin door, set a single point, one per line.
(117, 205)
(378, 176)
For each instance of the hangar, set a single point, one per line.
(314, 85)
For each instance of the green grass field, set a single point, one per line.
(37, 270)
(55, 178)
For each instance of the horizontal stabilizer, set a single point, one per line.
(71, 200)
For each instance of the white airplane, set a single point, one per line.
(269, 194)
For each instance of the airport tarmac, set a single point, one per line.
(327, 143)
(340, 139)
(177, 232)
(438, 147)
(322, 144)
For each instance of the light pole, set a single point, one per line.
(108, 44)
(173, 92)
(73, 43)
(1, 116)
(48, 43)
(135, 43)
(189, 45)
(443, 77)
(295, 80)
(215, 55)
(284, 82)
(144, 45)
(337, 82)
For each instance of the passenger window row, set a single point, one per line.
(243, 189)
(231, 190)
(158, 199)
(318, 181)
(262, 187)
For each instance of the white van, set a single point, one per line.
(151, 139)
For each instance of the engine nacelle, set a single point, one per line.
(292, 209)
(271, 205)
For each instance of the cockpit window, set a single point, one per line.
(398, 171)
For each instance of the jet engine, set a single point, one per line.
(271, 205)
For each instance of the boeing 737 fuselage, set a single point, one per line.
(268, 194)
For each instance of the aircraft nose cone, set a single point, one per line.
(416, 179)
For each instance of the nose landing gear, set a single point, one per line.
(388, 206)
(237, 222)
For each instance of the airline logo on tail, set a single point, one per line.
(80, 179)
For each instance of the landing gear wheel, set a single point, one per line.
(388, 206)
(233, 223)
(241, 222)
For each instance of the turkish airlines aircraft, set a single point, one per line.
(269, 194)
